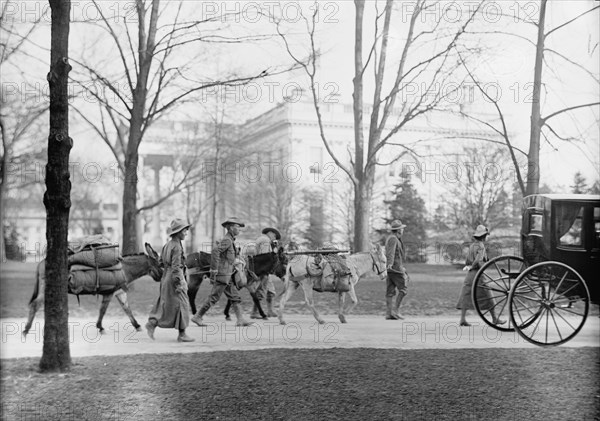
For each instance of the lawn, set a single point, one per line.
(433, 290)
(300, 384)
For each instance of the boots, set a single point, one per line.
(197, 318)
(183, 337)
(270, 311)
(150, 326)
(237, 309)
(255, 314)
(390, 315)
(398, 302)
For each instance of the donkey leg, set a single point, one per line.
(121, 297)
(193, 287)
(310, 302)
(105, 302)
(33, 308)
(290, 287)
(226, 311)
(256, 302)
(341, 301)
(353, 302)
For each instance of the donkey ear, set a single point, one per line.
(151, 251)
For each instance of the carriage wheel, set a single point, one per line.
(491, 288)
(549, 303)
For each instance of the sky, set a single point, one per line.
(505, 63)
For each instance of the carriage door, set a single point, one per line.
(578, 235)
(570, 236)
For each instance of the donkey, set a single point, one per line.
(360, 264)
(198, 269)
(198, 265)
(134, 266)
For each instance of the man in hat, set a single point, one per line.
(266, 244)
(397, 278)
(223, 257)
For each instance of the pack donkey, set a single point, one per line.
(134, 267)
(360, 264)
(198, 265)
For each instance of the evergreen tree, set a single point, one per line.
(579, 184)
(409, 207)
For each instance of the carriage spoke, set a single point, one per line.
(568, 310)
(558, 286)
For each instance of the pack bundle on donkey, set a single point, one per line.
(96, 268)
(328, 271)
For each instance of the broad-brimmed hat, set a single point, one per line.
(274, 231)
(396, 225)
(177, 225)
(233, 220)
(480, 231)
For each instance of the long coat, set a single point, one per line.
(476, 257)
(172, 309)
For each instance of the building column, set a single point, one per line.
(155, 231)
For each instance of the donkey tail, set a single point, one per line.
(39, 272)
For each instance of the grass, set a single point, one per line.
(433, 290)
(300, 384)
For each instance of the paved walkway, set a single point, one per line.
(301, 332)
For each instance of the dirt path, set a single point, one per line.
(441, 332)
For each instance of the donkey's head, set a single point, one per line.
(280, 263)
(239, 274)
(155, 270)
(379, 260)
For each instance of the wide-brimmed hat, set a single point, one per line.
(480, 231)
(274, 231)
(177, 225)
(396, 225)
(233, 220)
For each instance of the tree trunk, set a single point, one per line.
(3, 188)
(362, 200)
(146, 44)
(56, 353)
(361, 208)
(533, 157)
(130, 237)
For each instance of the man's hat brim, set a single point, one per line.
(274, 231)
(232, 221)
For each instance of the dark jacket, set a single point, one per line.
(222, 257)
(395, 254)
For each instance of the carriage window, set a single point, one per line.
(535, 223)
(572, 237)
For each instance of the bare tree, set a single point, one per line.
(385, 119)
(20, 116)
(537, 121)
(56, 354)
(478, 188)
(156, 82)
(540, 125)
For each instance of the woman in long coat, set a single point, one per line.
(476, 257)
(172, 309)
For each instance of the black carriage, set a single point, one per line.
(545, 293)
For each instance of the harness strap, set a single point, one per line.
(94, 250)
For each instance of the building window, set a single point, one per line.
(316, 159)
